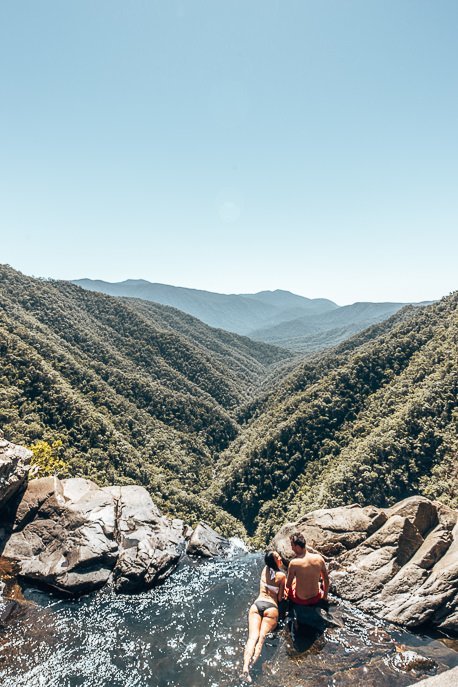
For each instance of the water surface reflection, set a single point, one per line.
(190, 632)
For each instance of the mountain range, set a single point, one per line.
(239, 313)
(279, 317)
(136, 392)
(219, 427)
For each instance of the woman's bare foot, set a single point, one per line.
(246, 677)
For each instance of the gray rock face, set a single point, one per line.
(73, 536)
(63, 535)
(399, 563)
(447, 679)
(206, 542)
(150, 545)
(331, 531)
(14, 469)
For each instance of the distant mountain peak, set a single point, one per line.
(239, 313)
(136, 282)
(279, 291)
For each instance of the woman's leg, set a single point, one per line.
(268, 624)
(254, 624)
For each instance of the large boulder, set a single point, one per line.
(205, 542)
(366, 569)
(425, 589)
(399, 563)
(14, 469)
(75, 537)
(63, 535)
(150, 545)
(331, 531)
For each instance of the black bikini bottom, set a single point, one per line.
(263, 606)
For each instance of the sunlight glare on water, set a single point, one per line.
(190, 632)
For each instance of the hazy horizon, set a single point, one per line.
(225, 293)
(304, 146)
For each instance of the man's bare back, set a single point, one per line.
(305, 573)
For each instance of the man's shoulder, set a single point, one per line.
(294, 561)
(317, 558)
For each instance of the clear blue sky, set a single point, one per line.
(233, 145)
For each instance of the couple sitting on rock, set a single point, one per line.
(305, 585)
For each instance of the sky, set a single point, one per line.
(233, 146)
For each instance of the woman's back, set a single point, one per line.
(271, 584)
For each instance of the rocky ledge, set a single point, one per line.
(398, 563)
(75, 537)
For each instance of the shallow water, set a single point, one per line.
(190, 632)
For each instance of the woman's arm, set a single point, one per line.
(281, 588)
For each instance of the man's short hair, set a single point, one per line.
(297, 539)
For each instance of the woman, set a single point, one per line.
(263, 613)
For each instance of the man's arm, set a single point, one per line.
(325, 577)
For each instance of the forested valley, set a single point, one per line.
(219, 427)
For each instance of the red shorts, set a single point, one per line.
(292, 596)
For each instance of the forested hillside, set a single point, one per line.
(221, 427)
(371, 422)
(316, 332)
(136, 392)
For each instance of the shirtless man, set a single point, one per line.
(305, 573)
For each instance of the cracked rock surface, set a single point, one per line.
(74, 536)
(14, 469)
(398, 563)
(205, 542)
(150, 545)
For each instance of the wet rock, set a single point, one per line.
(150, 545)
(411, 662)
(400, 563)
(316, 617)
(8, 610)
(379, 636)
(206, 542)
(14, 469)
(9, 586)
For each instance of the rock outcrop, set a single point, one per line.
(205, 542)
(149, 545)
(333, 531)
(74, 536)
(399, 563)
(14, 469)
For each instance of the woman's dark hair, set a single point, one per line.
(270, 560)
